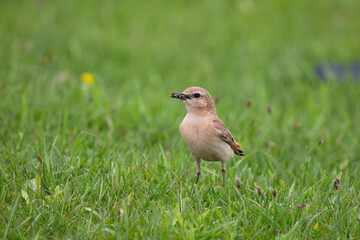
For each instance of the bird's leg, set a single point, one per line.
(198, 172)
(197, 176)
(223, 172)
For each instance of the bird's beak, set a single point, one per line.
(178, 95)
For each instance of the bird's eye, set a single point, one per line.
(196, 95)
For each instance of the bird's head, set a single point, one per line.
(196, 100)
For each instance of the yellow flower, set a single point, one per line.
(87, 78)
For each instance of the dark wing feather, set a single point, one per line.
(226, 136)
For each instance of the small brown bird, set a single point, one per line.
(204, 133)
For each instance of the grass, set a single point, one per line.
(107, 161)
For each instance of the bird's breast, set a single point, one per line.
(202, 140)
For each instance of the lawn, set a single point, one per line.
(105, 159)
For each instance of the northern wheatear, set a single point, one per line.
(204, 133)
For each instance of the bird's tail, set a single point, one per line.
(237, 150)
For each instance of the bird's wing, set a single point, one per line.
(225, 135)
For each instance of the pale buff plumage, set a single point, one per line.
(204, 133)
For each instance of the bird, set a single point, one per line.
(205, 134)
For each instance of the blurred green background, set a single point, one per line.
(100, 144)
